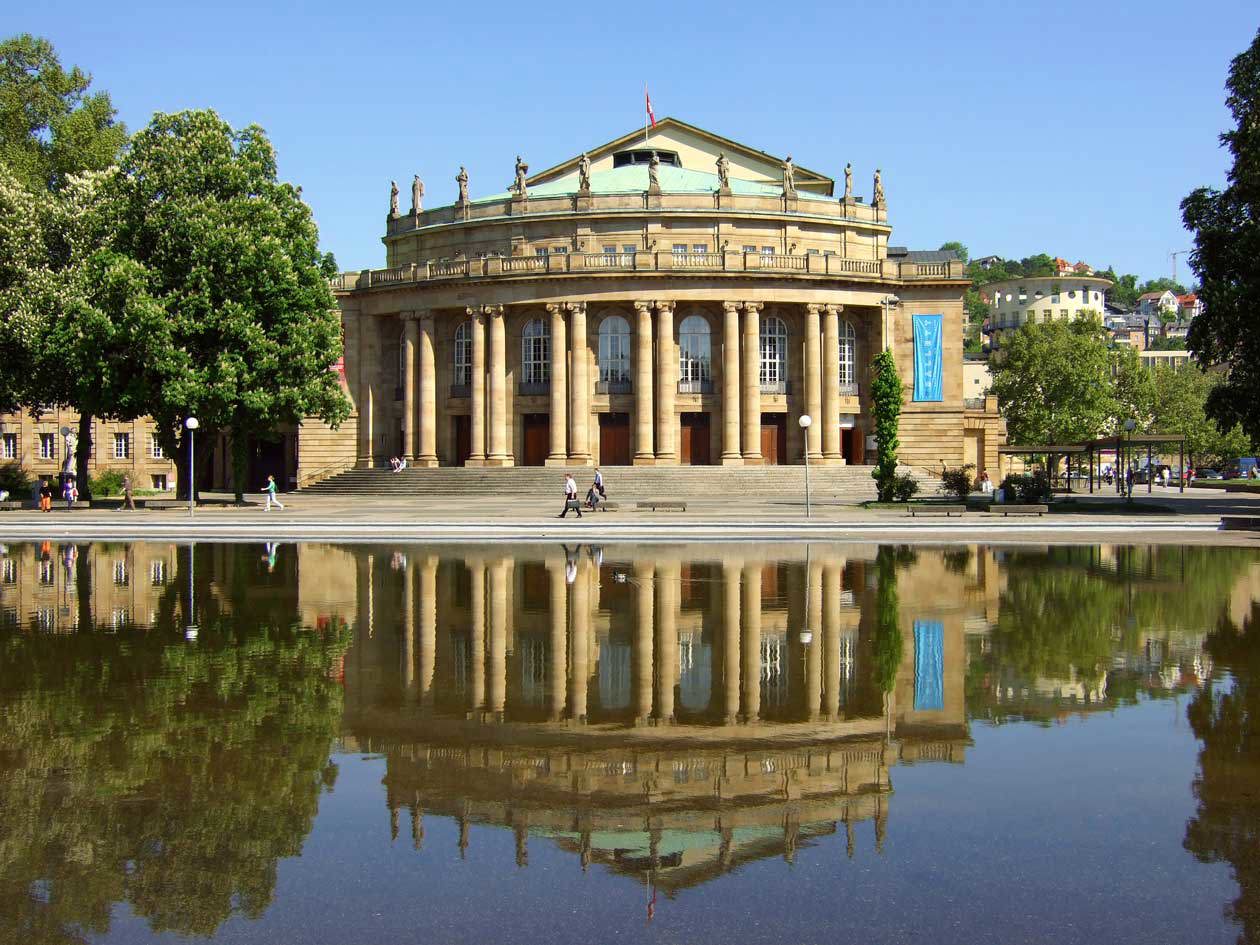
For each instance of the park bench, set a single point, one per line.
(657, 505)
(608, 507)
(1019, 510)
(946, 510)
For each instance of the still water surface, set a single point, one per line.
(737, 743)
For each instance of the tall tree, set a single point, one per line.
(1180, 406)
(959, 248)
(1226, 257)
(25, 276)
(231, 257)
(886, 397)
(51, 125)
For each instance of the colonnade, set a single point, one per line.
(571, 385)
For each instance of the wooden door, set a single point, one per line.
(463, 438)
(614, 439)
(536, 438)
(774, 439)
(694, 435)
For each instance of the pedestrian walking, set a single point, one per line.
(599, 484)
(270, 491)
(570, 497)
(70, 492)
(129, 501)
(45, 496)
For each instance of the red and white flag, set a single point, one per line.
(651, 116)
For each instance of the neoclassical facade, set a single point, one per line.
(680, 301)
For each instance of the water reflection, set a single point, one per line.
(667, 715)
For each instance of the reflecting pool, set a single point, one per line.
(700, 743)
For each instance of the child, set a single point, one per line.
(270, 490)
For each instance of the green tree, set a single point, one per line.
(1180, 406)
(230, 256)
(1133, 391)
(958, 248)
(1054, 382)
(26, 278)
(888, 642)
(1168, 344)
(1226, 257)
(51, 125)
(1163, 284)
(1124, 292)
(886, 397)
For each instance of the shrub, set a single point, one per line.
(107, 482)
(15, 480)
(904, 488)
(1027, 489)
(957, 482)
(886, 398)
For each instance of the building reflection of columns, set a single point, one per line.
(751, 413)
(831, 384)
(813, 650)
(641, 665)
(409, 632)
(559, 616)
(477, 634)
(369, 391)
(497, 630)
(426, 602)
(643, 454)
(557, 452)
(580, 390)
(813, 376)
(731, 455)
(666, 385)
(497, 454)
(477, 392)
(426, 452)
(832, 586)
(410, 341)
(730, 640)
(579, 638)
(668, 584)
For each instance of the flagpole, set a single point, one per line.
(646, 99)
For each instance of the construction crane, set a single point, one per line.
(1173, 256)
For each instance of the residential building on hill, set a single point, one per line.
(1040, 299)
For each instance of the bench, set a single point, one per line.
(608, 507)
(946, 510)
(670, 505)
(1019, 510)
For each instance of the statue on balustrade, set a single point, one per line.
(724, 171)
(848, 181)
(789, 175)
(654, 172)
(462, 179)
(584, 173)
(393, 198)
(417, 194)
(879, 189)
(522, 169)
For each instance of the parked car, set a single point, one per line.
(1208, 474)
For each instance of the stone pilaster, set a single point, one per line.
(752, 384)
(829, 427)
(426, 454)
(559, 593)
(833, 575)
(408, 658)
(497, 631)
(643, 447)
(813, 649)
(579, 640)
(410, 342)
(641, 665)
(730, 640)
(580, 392)
(477, 634)
(477, 390)
(557, 453)
(498, 453)
(668, 584)
(666, 386)
(731, 455)
(813, 379)
(427, 603)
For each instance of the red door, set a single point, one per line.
(774, 439)
(536, 438)
(614, 439)
(463, 438)
(694, 434)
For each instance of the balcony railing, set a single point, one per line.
(973, 403)
(776, 387)
(461, 390)
(849, 390)
(697, 386)
(608, 260)
(614, 386)
(534, 388)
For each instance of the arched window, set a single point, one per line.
(695, 355)
(848, 358)
(536, 352)
(463, 354)
(614, 354)
(774, 367)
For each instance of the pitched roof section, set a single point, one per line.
(634, 179)
(698, 149)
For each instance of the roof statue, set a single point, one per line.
(724, 171)
(848, 181)
(393, 198)
(584, 172)
(522, 171)
(878, 201)
(462, 179)
(789, 175)
(417, 194)
(654, 172)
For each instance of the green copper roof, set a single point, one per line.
(634, 179)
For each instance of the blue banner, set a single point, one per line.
(928, 358)
(929, 664)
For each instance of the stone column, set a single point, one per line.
(408, 658)
(666, 385)
(410, 342)
(498, 453)
(641, 664)
(731, 455)
(668, 582)
(832, 578)
(477, 425)
(426, 454)
(643, 454)
(830, 420)
(559, 632)
(427, 600)
(813, 379)
(579, 642)
(369, 388)
(477, 634)
(497, 630)
(730, 640)
(557, 453)
(752, 383)
(580, 405)
(751, 643)
(813, 649)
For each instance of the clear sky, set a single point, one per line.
(1071, 128)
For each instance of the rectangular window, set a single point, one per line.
(1054, 298)
(1063, 313)
(629, 248)
(750, 249)
(1031, 317)
(811, 252)
(610, 250)
(699, 247)
(540, 250)
(1045, 314)
(767, 250)
(8, 446)
(122, 445)
(159, 481)
(155, 448)
(560, 250)
(48, 446)
(680, 249)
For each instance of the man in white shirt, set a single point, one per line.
(570, 496)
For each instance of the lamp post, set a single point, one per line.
(1129, 426)
(887, 302)
(191, 425)
(805, 422)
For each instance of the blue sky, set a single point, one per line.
(1071, 128)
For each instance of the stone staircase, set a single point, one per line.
(624, 483)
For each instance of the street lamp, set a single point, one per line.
(1129, 426)
(888, 302)
(191, 425)
(805, 422)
